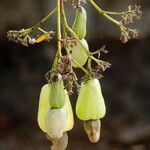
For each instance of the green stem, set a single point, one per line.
(54, 66)
(64, 21)
(58, 53)
(59, 28)
(96, 60)
(101, 12)
(86, 72)
(118, 13)
(43, 31)
(44, 19)
(36, 26)
(113, 13)
(89, 64)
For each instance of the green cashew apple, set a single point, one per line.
(80, 23)
(78, 54)
(90, 103)
(44, 106)
(68, 107)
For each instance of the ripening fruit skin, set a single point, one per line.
(78, 54)
(44, 106)
(80, 23)
(55, 122)
(57, 96)
(90, 103)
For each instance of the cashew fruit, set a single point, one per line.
(80, 23)
(78, 54)
(90, 103)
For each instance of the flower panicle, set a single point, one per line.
(127, 34)
(133, 13)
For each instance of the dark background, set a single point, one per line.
(125, 86)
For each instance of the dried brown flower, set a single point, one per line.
(124, 37)
(127, 33)
(21, 37)
(69, 42)
(75, 3)
(64, 67)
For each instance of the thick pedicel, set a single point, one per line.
(80, 23)
(90, 103)
(57, 96)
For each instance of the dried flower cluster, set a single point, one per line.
(69, 42)
(64, 67)
(101, 65)
(23, 36)
(127, 34)
(75, 3)
(133, 13)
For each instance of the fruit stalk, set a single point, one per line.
(101, 12)
(57, 96)
(59, 28)
(63, 19)
(45, 18)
